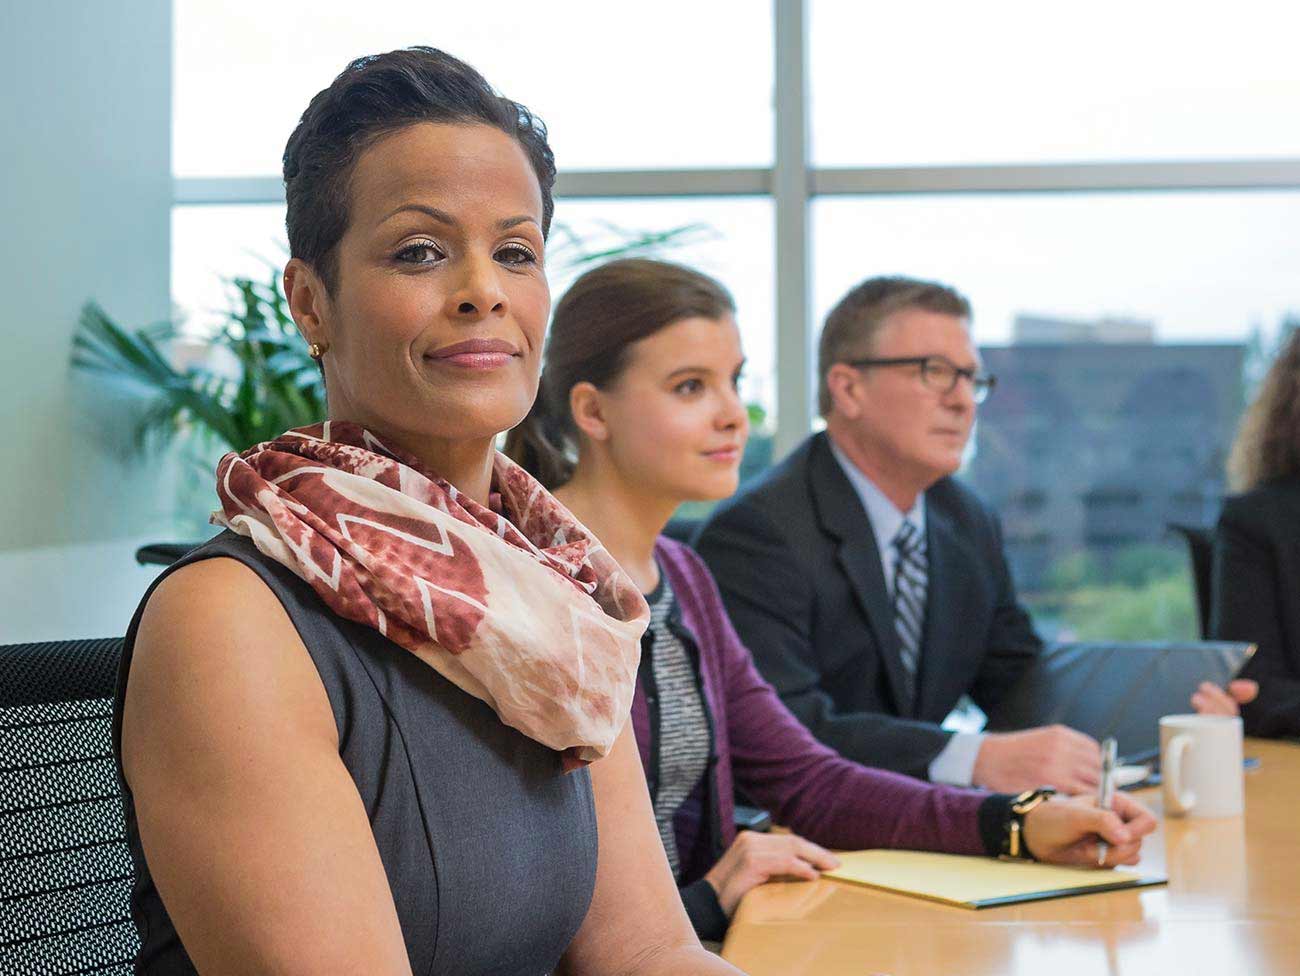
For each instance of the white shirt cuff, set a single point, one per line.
(955, 765)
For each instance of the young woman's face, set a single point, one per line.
(675, 419)
(439, 314)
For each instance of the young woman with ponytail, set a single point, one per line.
(639, 412)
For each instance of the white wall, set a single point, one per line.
(85, 193)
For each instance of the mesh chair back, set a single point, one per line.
(65, 872)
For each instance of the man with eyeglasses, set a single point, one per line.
(869, 583)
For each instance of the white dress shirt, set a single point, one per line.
(956, 763)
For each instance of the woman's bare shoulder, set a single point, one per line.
(229, 746)
(215, 644)
(210, 588)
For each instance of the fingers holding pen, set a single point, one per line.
(1069, 831)
(1122, 829)
(1138, 820)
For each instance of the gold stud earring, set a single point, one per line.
(316, 349)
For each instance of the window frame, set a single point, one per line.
(792, 182)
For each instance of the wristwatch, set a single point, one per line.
(1013, 845)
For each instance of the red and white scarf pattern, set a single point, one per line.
(528, 613)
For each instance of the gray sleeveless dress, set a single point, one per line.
(489, 848)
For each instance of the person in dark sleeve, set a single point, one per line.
(870, 584)
(1256, 583)
(639, 412)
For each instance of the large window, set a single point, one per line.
(1199, 266)
(1117, 197)
(1019, 81)
(211, 245)
(673, 84)
(1118, 326)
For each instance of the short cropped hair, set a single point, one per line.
(852, 325)
(373, 96)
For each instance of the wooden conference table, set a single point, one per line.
(1232, 906)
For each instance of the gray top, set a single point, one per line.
(472, 819)
(683, 732)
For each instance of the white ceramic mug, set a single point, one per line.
(1200, 764)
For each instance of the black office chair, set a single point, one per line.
(65, 872)
(163, 553)
(1200, 546)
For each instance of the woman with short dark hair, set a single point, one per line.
(1255, 589)
(378, 725)
(639, 411)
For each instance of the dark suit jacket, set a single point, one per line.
(797, 563)
(1256, 597)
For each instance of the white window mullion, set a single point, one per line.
(790, 191)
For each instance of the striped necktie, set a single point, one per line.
(910, 583)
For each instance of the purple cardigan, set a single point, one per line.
(765, 750)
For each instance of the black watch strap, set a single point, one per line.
(1014, 846)
(994, 815)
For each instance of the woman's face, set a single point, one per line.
(436, 325)
(675, 422)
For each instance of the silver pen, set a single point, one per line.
(1106, 789)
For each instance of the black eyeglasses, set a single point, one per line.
(939, 374)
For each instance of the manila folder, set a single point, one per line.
(976, 882)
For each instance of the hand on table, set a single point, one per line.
(754, 858)
(1064, 830)
(1210, 699)
(1054, 755)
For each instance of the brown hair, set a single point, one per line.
(851, 326)
(592, 328)
(1268, 441)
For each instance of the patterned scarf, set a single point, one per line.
(528, 613)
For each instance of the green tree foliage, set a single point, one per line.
(1162, 608)
(1142, 592)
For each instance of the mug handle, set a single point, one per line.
(1183, 800)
